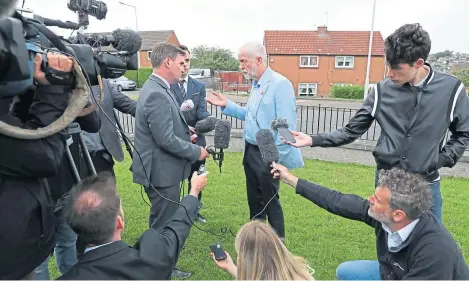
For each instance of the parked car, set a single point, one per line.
(123, 83)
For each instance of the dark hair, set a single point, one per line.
(162, 51)
(409, 192)
(407, 44)
(92, 208)
(184, 48)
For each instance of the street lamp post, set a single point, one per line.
(136, 29)
(367, 78)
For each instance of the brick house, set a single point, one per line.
(314, 61)
(150, 39)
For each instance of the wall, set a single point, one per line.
(143, 57)
(326, 75)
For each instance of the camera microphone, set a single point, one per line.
(269, 151)
(126, 40)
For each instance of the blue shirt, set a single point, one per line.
(271, 97)
(395, 239)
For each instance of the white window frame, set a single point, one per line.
(344, 58)
(307, 88)
(309, 61)
(148, 55)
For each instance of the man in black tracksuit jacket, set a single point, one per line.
(416, 109)
(410, 242)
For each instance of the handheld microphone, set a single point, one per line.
(206, 125)
(187, 105)
(269, 151)
(221, 140)
(281, 126)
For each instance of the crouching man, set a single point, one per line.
(94, 211)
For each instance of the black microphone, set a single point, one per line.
(205, 125)
(126, 40)
(269, 151)
(221, 140)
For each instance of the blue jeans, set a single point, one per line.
(358, 270)
(65, 251)
(437, 205)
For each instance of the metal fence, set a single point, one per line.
(310, 120)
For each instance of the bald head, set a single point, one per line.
(92, 209)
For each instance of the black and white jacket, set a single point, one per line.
(415, 124)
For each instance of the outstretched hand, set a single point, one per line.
(302, 140)
(217, 99)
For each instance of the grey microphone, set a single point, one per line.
(127, 40)
(221, 140)
(206, 125)
(269, 151)
(281, 126)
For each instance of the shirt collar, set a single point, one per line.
(87, 249)
(402, 234)
(164, 80)
(420, 84)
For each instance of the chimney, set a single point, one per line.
(322, 30)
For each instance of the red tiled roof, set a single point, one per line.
(289, 42)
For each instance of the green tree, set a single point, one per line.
(463, 75)
(214, 58)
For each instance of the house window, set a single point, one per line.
(309, 61)
(344, 62)
(307, 89)
(149, 55)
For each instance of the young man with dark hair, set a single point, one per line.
(416, 108)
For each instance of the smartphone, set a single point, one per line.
(218, 251)
(285, 133)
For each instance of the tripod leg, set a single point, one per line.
(88, 160)
(75, 173)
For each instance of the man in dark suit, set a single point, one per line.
(89, 208)
(191, 89)
(162, 138)
(106, 144)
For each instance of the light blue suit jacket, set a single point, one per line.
(271, 97)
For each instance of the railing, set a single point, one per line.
(310, 120)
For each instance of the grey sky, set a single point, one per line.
(229, 24)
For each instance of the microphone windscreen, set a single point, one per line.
(206, 125)
(278, 123)
(127, 40)
(268, 148)
(222, 134)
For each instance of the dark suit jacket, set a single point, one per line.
(197, 93)
(153, 257)
(108, 133)
(161, 138)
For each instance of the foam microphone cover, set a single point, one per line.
(127, 40)
(222, 134)
(206, 125)
(266, 142)
(278, 123)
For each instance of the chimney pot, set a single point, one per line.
(322, 30)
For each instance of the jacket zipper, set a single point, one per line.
(396, 264)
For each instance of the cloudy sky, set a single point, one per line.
(229, 24)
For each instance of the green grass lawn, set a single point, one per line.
(325, 240)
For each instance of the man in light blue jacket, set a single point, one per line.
(272, 96)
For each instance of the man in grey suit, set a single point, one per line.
(191, 89)
(106, 144)
(163, 151)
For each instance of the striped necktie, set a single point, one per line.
(183, 89)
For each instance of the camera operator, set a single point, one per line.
(27, 215)
(65, 250)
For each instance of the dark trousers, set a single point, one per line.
(161, 209)
(102, 161)
(194, 168)
(261, 188)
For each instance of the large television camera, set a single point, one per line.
(21, 38)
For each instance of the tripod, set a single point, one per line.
(75, 129)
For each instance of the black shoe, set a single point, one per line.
(178, 274)
(201, 219)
